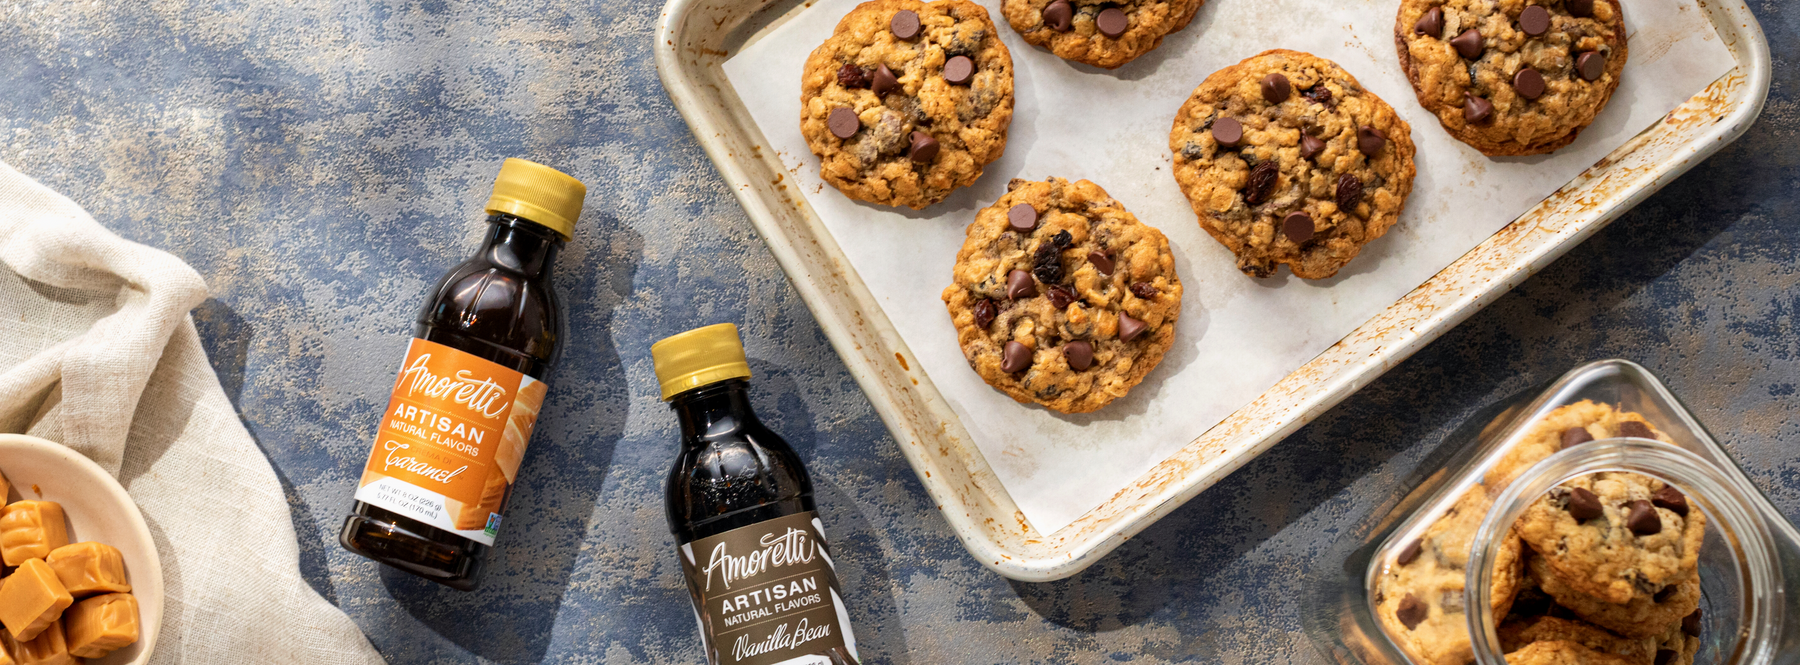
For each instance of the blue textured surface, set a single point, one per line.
(320, 163)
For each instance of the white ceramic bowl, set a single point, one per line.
(99, 510)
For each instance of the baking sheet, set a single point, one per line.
(1237, 335)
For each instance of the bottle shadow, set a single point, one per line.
(527, 571)
(861, 565)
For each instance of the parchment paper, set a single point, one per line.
(1237, 335)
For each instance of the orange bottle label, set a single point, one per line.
(450, 443)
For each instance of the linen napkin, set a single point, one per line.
(97, 352)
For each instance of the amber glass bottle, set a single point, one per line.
(447, 454)
(740, 504)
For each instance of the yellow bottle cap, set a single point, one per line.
(699, 357)
(538, 193)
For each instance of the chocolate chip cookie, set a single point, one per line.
(1102, 33)
(1061, 297)
(1563, 653)
(1567, 426)
(907, 100)
(1419, 596)
(1651, 616)
(1287, 159)
(1616, 536)
(1516, 634)
(1515, 77)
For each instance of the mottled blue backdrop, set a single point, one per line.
(321, 162)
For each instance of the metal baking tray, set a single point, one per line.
(694, 38)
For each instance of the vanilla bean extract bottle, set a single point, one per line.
(740, 504)
(446, 456)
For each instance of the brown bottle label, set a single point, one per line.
(449, 446)
(767, 594)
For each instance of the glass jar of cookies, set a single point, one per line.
(1597, 523)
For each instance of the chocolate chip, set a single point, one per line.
(1666, 593)
(1468, 44)
(1016, 358)
(1298, 227)
(1369, 140)
(905, 24)
(1102, 262)
(843, 122)
(1047, 262)
(1575, 436)
(1261, 183)
(1581, 8)
(984, 312)
(1643, 519)
(1275, 88)
(1228, 132)
(1079, 354)
(924, 148)
(885, 81)
(1584, 505)
(851, 76)
(1410, 552)
(1591, 64)
(1143, 290)
(1431, 24)
(1635, 429)
(1310, 147)
(959, 70)
(1129, 328)
(1411, 612)
(1061, 297)
(1019, 285)
(1670, 499)
(1665, 656)
(1320, 95)
(1476, 110)
(1535, 20)
(1060, 16)
(1022, 217)
(1690, 624)
(1112, 22)
(1528, 83)
(1349, 192)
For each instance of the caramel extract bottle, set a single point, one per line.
(741, 506)
(447, 453)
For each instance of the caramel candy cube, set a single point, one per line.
(89, 568)
(31, 599)
(49, 648)
(100, 624)
(30, 530)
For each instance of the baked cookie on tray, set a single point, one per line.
(1419, 596)
(1287, 159)
(1512, 77)
(1062, 297)
(907, 100)
(1102, 33)
(1619, 537)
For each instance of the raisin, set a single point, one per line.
(984, 312)
(1349, 192)
(852, 76)
(1143, 290)
(1262, 183)
(1061, 297)
(1320, 94)
(1048, 260)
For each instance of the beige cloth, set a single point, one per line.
(97, 352)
